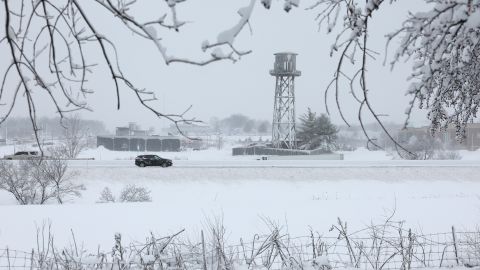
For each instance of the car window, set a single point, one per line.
(20, 153)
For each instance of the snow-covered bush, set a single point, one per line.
(38, 181)
(473, 250)
(426, 147)
(17, 179)
(106, 196)
(133, 193)
(448, 155)
(130, 193)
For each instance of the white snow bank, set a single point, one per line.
(303, 197)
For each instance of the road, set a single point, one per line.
(286, 164)
(306, 170)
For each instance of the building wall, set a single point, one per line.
(154, 145)
(106, 142)
(137, 144)
(117, 143)
(171, 145)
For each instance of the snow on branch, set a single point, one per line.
(228, 36)
(444, 45)
(351, 43)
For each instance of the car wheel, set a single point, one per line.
(141, 164)
(164, 165)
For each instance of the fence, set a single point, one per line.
(377, 247)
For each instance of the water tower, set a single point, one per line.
(283, 124)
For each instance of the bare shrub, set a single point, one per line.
(16, 178)
(74, 137)
(133, 193)
(448, 155)
(106, 196)
(130, 193)
(38, 181)
(472, 251)
(55, 171)
(426, 147)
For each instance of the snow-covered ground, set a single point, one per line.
(431, 196)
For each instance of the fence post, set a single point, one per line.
(455, 243)
(203, 253)
(8, 259)
(31, 259)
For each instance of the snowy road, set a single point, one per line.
(225, 172)
(278, 170)
(285, 164)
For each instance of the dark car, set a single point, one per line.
(23, 155)
(152, 160)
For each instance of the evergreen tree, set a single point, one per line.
(307, 127)
(317, 132)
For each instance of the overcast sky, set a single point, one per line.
(246, 87)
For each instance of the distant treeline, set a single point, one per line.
(240, 124)
(21, 127)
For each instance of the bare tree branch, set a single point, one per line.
(50, 44)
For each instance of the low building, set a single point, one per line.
(447, 137)
(132, 138)
(132, 130)
(140, 143)
(192, 130)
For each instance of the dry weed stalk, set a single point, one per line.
(376, 247)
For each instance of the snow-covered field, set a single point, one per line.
(367, 186)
